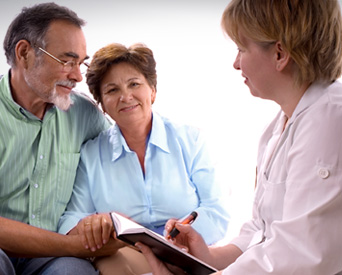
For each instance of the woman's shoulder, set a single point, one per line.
(180, 129)
(326, 97)
(334, 92)
(94, 145)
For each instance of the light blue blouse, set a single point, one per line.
(179, 178)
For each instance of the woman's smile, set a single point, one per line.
(129, 108)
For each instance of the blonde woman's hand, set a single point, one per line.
(158, 267)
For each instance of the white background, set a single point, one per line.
(197, 84)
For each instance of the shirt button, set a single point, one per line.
(33, 216)
(41, 156)
(35, 185)
(323, 173)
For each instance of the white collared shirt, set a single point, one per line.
(297, 212)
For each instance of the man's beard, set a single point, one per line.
(62, 102)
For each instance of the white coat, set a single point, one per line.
(297, 212)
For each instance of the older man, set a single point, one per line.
(43, 124)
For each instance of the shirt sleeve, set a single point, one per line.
(80, 204)
(213, 218)
(90, 122)
(306, 240)
(97, 121)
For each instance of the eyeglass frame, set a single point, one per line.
(64, 63)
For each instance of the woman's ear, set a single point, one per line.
(282, 57)
(103, 107)
(22, 52)
(153, 94)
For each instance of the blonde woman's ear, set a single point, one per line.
(282, 57)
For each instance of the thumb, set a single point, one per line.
(185, 229)
(157, 266)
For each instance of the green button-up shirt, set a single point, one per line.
(39, 158)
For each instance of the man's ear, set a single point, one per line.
(22, 51)
(282, 57)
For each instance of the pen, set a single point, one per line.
(188, 220)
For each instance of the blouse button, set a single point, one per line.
(323, 173)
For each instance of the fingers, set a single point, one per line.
(190, 239)
(187, 239)
(157, 266)
(185, 228)
(85, 229)
(95, 231)
(81, 232)
(176, 224)
(170, 224)
(107, 228)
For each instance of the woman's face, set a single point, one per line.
(257, 65)
(126, 95)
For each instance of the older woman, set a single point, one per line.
(290, 52)
(145, 166)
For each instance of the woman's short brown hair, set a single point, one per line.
(137, 55)
(310, 30)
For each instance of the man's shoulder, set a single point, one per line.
(83, 103)
(82, 98)
(84, 109)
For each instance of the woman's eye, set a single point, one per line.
(113, 90)
(134, 84)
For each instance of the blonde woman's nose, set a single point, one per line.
(236, 64)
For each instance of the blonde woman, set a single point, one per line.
(289, 51)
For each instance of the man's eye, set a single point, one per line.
(68, 62)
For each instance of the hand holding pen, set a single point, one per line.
(188, 220)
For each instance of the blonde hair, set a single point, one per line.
(310, 30)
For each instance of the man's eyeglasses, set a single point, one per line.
(67, 65)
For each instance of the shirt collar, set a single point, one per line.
(157, 138)
(117, 141)
(14, 108)
(7, 98)
(158, 134)
(311, 95)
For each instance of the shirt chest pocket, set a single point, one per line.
(274, 187)
(271, 207)
(66, 172)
